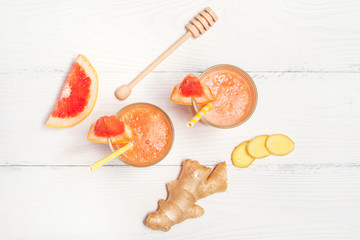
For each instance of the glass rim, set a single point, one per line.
(172, 134)
(255, 97)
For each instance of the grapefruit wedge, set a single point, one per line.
(110, 127)
(78, 95)
(191, 89)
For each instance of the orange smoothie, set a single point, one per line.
(153, 132)
(235, 96)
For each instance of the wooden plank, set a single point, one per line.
(320, 111)
(127, 35)
(262, 202)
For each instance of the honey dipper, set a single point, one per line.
(197, 26)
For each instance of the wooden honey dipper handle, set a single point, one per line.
(196, 27)
(161, 58)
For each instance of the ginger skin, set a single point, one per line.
(195, 182)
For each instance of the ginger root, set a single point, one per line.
(195, 182)
(256, 147)
(279, 144)
(240, 157)
(261, 146)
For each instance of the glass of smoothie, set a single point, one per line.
(235, 96)
(154, 134)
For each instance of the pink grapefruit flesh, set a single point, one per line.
(191, 89)
(110, 127)
(78, 95)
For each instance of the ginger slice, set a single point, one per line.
(195, 182)
(256, 147)
(240, 158)
(279, 144)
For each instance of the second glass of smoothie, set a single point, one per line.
(235, 96)
(154, 134)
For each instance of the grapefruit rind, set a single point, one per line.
(57, 122)
(125, 137)
(207, 96)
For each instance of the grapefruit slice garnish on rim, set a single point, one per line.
(110, 127)
(78, 95)
(191, 89)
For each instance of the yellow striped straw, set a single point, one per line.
(110, 157)
(198, 116)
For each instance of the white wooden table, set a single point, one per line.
(304, 57)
